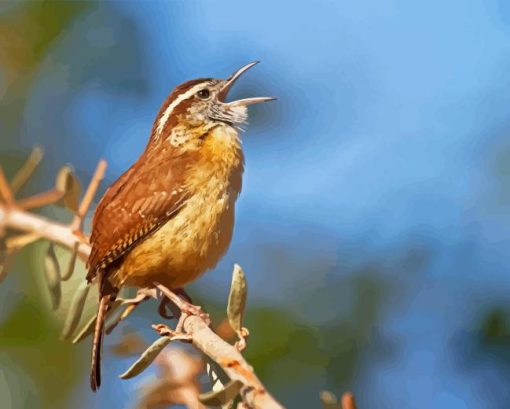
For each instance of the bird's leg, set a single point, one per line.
(186, 308)
(162, 309)
(181, 292)
(141, 295)
(184, 296)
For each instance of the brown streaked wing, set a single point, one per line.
(110, 194)
(137, 204)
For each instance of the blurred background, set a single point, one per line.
(374, 222)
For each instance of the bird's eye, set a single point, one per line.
(203, 93)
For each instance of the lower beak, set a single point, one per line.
(231, 80)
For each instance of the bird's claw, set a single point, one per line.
(190, 309)
(165, 331)
(141, 295)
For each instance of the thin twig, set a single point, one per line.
(41, 199)
(77, 224)
(131, 305)
(27, 170)
(59, 233)
(348, 401)
(5, 190)
(171, 296)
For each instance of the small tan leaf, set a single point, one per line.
(63, 178)
(75, 310)
(68, 183)
(237, 299)
(147, 357)
(223, 396)
(52, 273)
(120, 317)
(88, 328)
(329, 400)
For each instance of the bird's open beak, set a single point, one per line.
(222, 96)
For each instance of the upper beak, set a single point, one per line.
(222, 95)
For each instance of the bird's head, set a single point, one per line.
(198, 106)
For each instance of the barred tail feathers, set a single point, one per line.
(97, 345)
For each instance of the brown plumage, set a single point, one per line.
(169, 218)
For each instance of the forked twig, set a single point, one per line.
(131, 304)
(14, 214)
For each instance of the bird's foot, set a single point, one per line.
(184, 308)
(181, 292)
(165, 331)
(196, 310)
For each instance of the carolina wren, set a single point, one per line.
(169, 217)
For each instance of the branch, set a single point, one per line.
(14, 214)
(177, 381)
(33, 226)
(231, 361)
(23, 221)
(193, 327)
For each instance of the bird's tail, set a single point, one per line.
(97, 345)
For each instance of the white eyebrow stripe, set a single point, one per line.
(175, 102)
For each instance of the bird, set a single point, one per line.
(169, 218)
